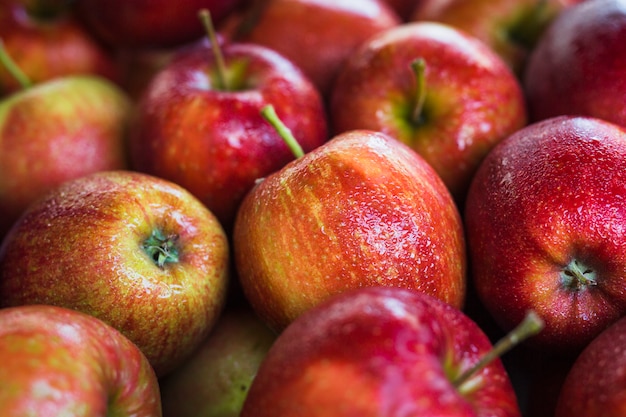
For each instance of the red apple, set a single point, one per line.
(215, 380)
(60, 362)
(316, 35)
(381, 352)
(139, 24)
(545, 219)
(511, 28)
(55, 131)
(595, 384)
(50, 47)
(361, 210)
(452, 112)
(579, 64)
(211, 138)
(138, 252)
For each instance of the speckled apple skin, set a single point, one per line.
(595, 384)
(215, 142)
(472, 99)
(80, 247)
(361, 210)
(578, 66)
(379, 352)
(550, 193)
(60, 362)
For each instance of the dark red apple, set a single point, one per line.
(545, 220)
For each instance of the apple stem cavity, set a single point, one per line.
(419, 70)
(577, 276)
(531, 325)
(207, 21)
(15, 71)
(528, 29)
(269, 113)
(161, 249)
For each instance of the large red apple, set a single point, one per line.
(579, 64)
(545, 220)
(141, 24)
(138, 252)
(50, 47)
(60, 362)
(55, 131)
(381, 352)
(511, 28)
(452, 112)
(361, 210)
(595, 385)
(316, 35)
(215, 380)
(211, 138)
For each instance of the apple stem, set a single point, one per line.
(419, 70)
(531, 325)
(207, 21)
(530, 27)
(13, 68)
(270, 115)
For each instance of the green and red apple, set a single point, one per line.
(137, 251)
(361, 210)
(442, 92)
(61, 362)
(545, 219)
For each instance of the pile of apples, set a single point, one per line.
(313, 208)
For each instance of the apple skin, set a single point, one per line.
(321, 33)
(49, 48)
(60, 362)
(215, 380)
(380, 351)
(511, 28)
(214, 141)
(55, 131)
(546, 198)
(82, 247)
(141, 24)
(594, 385)
(361, 210)
(578, 66)
(472, 99)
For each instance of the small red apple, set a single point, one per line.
(361, 210)
(452, 111)
(578, 66)
(207, 133)
(60, 362)
(545, 219)
(138, 252)
(595, 385)
(382, 351)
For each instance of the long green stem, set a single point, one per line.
(207, 21)
(531, 325)
(270, 115)
(419, 70)
(13, 68)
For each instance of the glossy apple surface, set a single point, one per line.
(60, 362)
(215, 380)
(136, 251)
(471, 99)
(579, 64)
(316, 35)
(511, 28)
(57, 131)
(141, 24)
(361, 210)
(595, 385)
(380, 351)
(213, 140)
(544, 223)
